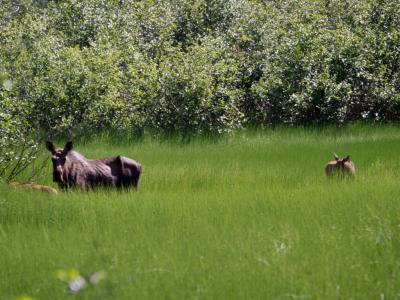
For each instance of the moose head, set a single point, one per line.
(59, 158)
(340, 162)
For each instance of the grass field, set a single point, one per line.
(247, 216)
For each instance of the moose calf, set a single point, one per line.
(340, 166)
(34, 186)
(71, 168)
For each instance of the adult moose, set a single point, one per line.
(71, 168)
(340, 166)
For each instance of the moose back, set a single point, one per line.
(71, 168)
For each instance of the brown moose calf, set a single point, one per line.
(34, 186)
(340, 167)
(71, 168)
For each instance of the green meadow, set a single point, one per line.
(249, 215)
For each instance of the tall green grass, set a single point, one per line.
(246, 216)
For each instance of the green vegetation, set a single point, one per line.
(191, 67)
(246, 216)
(199, 65)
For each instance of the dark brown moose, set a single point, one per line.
(71, 168)
(340, 166)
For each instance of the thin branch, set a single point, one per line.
(11, 175)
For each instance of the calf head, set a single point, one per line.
(58, 158)
(341, 162)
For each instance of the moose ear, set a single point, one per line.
(50, 147)
(335, 156)
(68, 147)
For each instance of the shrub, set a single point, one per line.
(17, 148)
(198, 66)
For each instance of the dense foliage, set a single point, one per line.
(196, 66)
(18, 147)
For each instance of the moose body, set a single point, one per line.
(340, 166)
(71, 168)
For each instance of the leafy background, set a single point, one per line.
(195, 66)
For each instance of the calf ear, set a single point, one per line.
(68, 147)
(335, 156)
(50, 147)
(347, 158)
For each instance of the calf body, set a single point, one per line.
(71, 168)
(340, 166)
(34, 186)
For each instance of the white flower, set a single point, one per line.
(77, 284)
